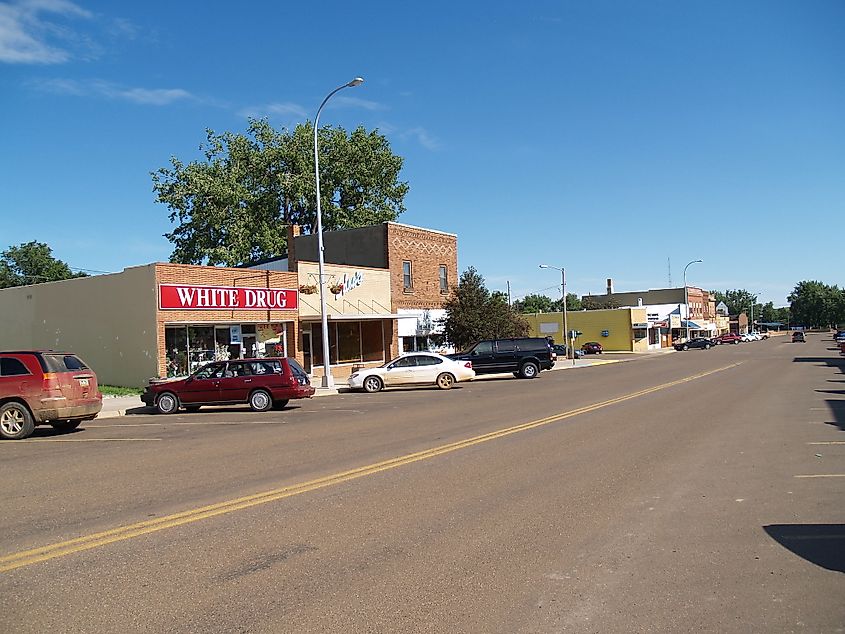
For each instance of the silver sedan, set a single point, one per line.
(414, 368)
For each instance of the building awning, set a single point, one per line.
(357, 317)
(691, 325)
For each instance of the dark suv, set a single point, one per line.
(39, 387)
(524, 356)
(262, 383)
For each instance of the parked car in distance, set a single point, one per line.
(798, 337)
(560, 350)
(592, 347)
(729, 337)
(413, 368)
(262, 383)
(40, 387)
(760, 335)
(839, 337)
(702, 343)
(747, 336)
(524, 356)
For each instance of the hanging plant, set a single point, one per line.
(307, 289)
(336, 289)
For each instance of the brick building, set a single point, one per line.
(423, 266)
(156, 320)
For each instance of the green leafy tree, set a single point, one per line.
(738, 301)
(595, 302)
(231, 207)
(32, 263)
(817, 305)
(474, 313)
(534, 303)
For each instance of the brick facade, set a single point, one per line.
(426, 250)
(216, 276)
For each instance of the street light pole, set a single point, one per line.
(686, 293)
(328, 379)
(563, 306)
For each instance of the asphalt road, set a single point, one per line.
(697, 491)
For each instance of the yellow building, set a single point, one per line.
(616, 329)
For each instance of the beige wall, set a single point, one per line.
(108, 320)
(371, 297)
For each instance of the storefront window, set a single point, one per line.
(372, 341)
(176, 348)
(358, 341)
(202, 346)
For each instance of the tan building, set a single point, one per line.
(362, 329)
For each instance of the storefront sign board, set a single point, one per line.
(186, 296)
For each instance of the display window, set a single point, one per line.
(189, 347)
(350, 342)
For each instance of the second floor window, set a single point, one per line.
(444, 280)
(407, 280)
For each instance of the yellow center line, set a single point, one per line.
(121, 533)
(814, 475)
(828, 442)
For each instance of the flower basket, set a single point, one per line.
(336, 289)
(307, 289)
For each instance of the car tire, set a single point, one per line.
(15, 421)
(372, 384)
(167, 403)
(65, 425)
(280, 404)
(735, 341)
(260, 401)
(445, 381)
(685, 347)
(707, 346)
(529, 370)
(191, 409)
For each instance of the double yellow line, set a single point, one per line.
(121, 533)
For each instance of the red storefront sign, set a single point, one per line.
(187, 296)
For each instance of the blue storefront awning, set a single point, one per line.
(691, 325)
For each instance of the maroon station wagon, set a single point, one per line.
(263, 383)
(41, 387)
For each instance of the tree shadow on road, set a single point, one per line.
(837, 408)
(821, 544)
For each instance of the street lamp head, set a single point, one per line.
(544, 266)
(356, 82)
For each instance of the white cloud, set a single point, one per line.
(24, 31)
(422, 137)
(343, 101)
(283, 109)
(144, 96)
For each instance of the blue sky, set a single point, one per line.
(611, 138)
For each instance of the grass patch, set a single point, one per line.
(115, 390)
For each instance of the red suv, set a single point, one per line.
(729, 337)
(38, 387)
(263, 383)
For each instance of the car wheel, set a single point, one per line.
(280, 404)
(372, 384)
(260, 401)
(529, 370)
(707, 346)
(192, 408)
(65, 425)
(445, 381)
(735, 342)
(167, 403)
(685, 347)
(15, 421)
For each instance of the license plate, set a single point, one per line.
(83, 382)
